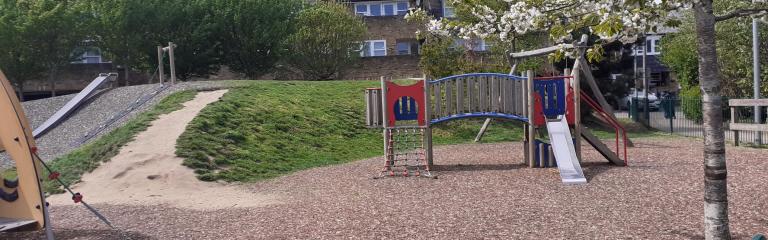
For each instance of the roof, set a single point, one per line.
(654, 64)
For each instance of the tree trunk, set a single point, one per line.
(715, 172)
(52, 80)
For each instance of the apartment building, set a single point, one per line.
(660, 77)
(391, 48)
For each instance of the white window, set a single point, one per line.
(390, 8)
(448, 10)
(403, 48)
(361, 9)
(374, 48)
(90, 55)
(402, 7)
(481, 46)
(477, 45)
(652, 46)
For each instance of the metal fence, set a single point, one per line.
(683, 116)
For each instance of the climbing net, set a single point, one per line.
(405, 154)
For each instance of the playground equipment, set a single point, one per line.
(171, 61)
(406, 114)
(73, 104)
(24, 205)
(565, 152)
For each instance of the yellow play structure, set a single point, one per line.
(22, 204)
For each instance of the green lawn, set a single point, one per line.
(272, 128)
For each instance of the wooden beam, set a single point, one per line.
(748, 102)
(601, 147)
(590, 79)
(749, 127)
(540, 51)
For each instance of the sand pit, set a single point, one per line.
(147, 171)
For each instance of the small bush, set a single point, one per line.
(690, 102)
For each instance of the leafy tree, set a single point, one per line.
(624, 21)
(17, 54)
(193, 26)
(253, 32)
(326, 41)
(55, 29)
(124, 26)
(132, 30)
(734, 48)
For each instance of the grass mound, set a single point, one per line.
(273, 128)
(86, 158)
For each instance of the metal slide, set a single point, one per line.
(565, 153)
(74, 103)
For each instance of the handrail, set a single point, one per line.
(479, 114)
(616, 125)
(509, 76)
(552, 78)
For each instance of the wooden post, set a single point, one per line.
(577, 103)
(428, 128)
(172, 62)
(384, 122)
(733, 121)
(531, 131)
(160, 71)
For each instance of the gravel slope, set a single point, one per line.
(63, 138)
(482, 192)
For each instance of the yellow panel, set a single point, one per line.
(16, 137)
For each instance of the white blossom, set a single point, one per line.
(617, 20)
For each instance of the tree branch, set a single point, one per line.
(739, 13)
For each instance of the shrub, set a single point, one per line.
(690, 102)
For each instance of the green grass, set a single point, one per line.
(86, 158)
(272, 128)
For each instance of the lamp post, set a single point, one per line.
(756, 74)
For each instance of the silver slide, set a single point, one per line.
(74, 103)
(565, 153)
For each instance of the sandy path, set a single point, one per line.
(147, 171)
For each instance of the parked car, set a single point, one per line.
(653, 101)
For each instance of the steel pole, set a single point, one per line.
(645, 82)
(756, 75)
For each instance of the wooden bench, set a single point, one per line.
(736, 127)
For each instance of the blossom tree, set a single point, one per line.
(620, 20)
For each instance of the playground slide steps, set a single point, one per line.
(601, 147)
(565, 153)
(7, 224)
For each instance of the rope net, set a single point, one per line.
(405, 154)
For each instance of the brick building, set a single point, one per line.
(391, 48)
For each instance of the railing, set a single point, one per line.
(684, 116)
(610, 120)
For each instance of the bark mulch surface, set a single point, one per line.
(483, 191)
